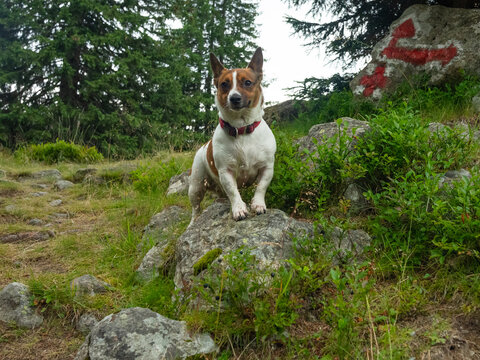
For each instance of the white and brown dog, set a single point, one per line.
(243, 147)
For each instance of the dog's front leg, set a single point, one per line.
(264, 178)
(229, 184)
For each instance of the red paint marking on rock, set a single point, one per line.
(376, 80)
(416, 56)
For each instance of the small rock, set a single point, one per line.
(35, 222)
(452, 176)
(52, 173)
(349, 244)
(62, 185)
(88, 285)
(93, 180)
(80, 175)
(15, 306)
(60, 215)
(86, 323)
(179, 184)
(358, 202)
(476, 103)
(57, 202)
(3, 174)
(39, 193)
(40, 186)
(10, 208)
(27, 236)
(139, 333)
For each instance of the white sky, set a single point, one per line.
(287, 60)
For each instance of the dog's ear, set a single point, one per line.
(256, 64)
(217, 68)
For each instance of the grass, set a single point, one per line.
(418, 278)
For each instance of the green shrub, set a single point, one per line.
(306, 182)
(400, 141)
(419, 217)
(149, 179)
(59, 151)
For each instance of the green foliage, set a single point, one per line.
(151, 179)
(306, 182)
(249, 302)
(347, 311)
(60, 151)
(419, 215)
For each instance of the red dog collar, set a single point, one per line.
(233, 131)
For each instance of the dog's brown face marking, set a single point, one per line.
(238, 88)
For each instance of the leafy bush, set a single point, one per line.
(419, 217)
(307, 182)
(59, 151)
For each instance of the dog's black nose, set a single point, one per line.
(235, 99)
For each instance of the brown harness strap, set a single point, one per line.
(210, 160)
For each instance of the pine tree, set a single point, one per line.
(224, 27)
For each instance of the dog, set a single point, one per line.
(242, 149)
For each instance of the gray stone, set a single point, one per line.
(179, 184)
(436, 41)
(39, 193)
(88, 285)
(27, 236)
(10, 208)
(52, 173)
(476, 103)
(80, 174)
(35, 222)
(348, 245)
(62, 185)
(86, 323)
(159, 232)
(452, 176)
(354, 195)
(139, 333)
(284, 112)
(353, 128)
(40, 186)
(92, 179)
(15, 306)
(56, 202)
(268, 237)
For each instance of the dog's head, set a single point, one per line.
(238, 89)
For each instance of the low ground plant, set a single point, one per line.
(59, 151)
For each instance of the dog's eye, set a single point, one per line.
(225, 85)
(247, 83)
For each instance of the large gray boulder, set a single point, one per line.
(141, 334)
(15, 306)
(214, 232)
(432, 40)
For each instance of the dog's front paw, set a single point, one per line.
(259, 207)
(239, 211)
